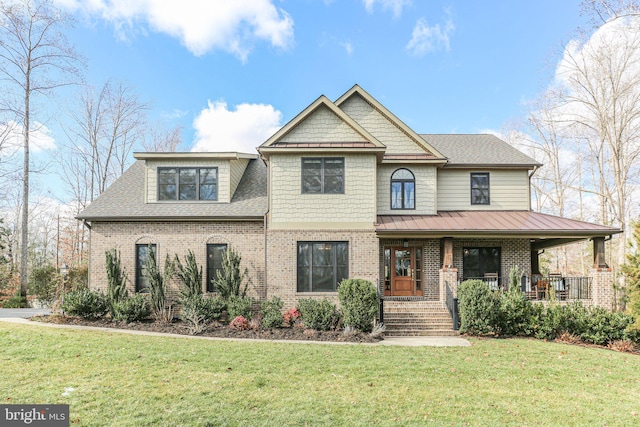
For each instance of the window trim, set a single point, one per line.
(322, 177)
(402, 182)
(209, 286)
(177, 183)
(311, 289)
(138, 267)
(488, 189)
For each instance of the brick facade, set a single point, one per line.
(176, 238)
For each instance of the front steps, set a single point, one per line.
(410, 318)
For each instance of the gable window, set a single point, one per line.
(215, 252)
(323, 175)
(187, 183)
(480, 188)
(403, 190)
(322, 265)
(477, 262)
(142, 271)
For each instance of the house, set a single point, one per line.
(346, 189)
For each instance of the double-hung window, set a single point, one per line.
(480, 188)
(142, 269)
(187, 183)
(215, 253)
(322, 265)
(403, 190)
(324, 175)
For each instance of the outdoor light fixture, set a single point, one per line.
(405, 243)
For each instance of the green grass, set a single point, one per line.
(127, 380)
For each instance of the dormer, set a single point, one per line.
(192, 177)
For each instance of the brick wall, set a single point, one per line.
(282, 252)
(514, 252)
(176, 238)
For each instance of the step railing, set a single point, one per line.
(452, 306)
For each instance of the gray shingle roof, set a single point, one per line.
(478, 149)
(124, 200)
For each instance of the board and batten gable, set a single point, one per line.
(290, 208)
(225, 180)
(396, 141)
(508, 189)
(425, 189)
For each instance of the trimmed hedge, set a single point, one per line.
(321, 315)
(270, 311)
(86, 304)
(131, 309)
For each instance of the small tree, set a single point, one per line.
(190, 275)
(116, 279)
(631, 270)
(229, 281)
(158, 286)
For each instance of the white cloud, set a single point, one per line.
(201, 26)
(426, 39)
(394, 5)
(243, 129)
(348, 47)
(40, 138)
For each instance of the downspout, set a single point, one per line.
(88, 225)
(535, 168)
(265, 220)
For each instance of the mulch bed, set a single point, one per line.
(216, 329)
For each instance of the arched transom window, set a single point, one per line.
(403, 190)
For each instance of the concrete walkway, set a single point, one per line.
(22, 313)
(389, 341)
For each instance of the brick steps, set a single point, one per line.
(417, 318)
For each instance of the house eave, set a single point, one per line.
(194, 155)
(170, 218)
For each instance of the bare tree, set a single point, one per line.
(35, 58)
(159, 139)
(101, 139)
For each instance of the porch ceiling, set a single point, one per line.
(546, 230)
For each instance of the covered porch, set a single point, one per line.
(425, 257)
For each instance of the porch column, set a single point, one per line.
(598, 253)
(447, 252)
(535, 261)
(448, 277)
(602, 288)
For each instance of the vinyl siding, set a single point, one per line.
(425, 176)
(237, 168)
(396, 141)
(508, 190)
(322, 126)
(291, 209)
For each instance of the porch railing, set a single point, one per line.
(452, 306)
(540, 288)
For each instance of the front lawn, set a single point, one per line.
(125, 380)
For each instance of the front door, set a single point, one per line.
(402, 271)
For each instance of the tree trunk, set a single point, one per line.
(24, 232)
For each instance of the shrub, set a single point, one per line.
(604, 326)
(359, 302)
(86, 304)
(270, 312)
(78, 278)
(239, 306)
(158, 280)
(321, 315)
(551, 321)
(15, 301)
(131, 309)
(44, 283)
(198, 312)
(291, 316)
(116, 279)
(478, 307)
(514, 314)
(229, 281)
(190, 275)
(240, 322)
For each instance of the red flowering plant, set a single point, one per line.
(240, 323)
(291, 316)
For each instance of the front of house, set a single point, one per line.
(346, 189)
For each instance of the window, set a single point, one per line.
(403, 190)
(480, 188)
(142, 273)
(187, 183)
(323, 175)
(215, 252)
(322, 265)
(476, 262)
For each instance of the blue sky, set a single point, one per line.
(471, 70)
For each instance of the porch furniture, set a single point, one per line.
(542, 288)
